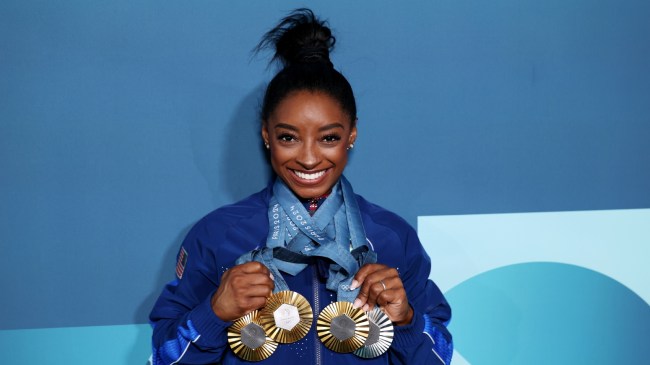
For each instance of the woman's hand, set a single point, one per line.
(381, 285)
(244, 288)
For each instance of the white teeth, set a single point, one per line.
(313, 176)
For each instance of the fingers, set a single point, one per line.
(251, 279)
(390, 297)
(381, 286)
(252, 267)
(252, 285)
(363, 272)
(243, 289)
(395, 305)
(373, 280)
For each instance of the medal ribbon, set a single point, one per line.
(334, 232)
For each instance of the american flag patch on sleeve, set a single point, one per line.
(180, 264)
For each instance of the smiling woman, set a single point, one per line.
(305, 246)
(308, 137)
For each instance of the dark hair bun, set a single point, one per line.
(299, 38)
(303, 44)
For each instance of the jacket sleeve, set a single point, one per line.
(185, 329)
(426, 339)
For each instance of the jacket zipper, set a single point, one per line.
(316, 312)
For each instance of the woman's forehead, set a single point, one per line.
(313, 109)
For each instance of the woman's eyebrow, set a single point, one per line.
(323, 128)
(286, 126)
(331, 126)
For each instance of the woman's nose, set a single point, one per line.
(309, 156)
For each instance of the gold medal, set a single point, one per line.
(286, 317)
(342, 328)
(380, 336)
(248, 340)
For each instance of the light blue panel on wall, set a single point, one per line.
(534, 288)
(104, 345)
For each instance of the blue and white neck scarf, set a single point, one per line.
(334, 232)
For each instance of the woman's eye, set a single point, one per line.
(286, 138)
(331, 138)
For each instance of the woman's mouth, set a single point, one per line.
(309, 176)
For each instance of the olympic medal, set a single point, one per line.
(248, 340)
(286, 317)
(380, 336)
(342, 328)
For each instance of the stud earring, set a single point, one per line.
(351, 146)
(266, 144)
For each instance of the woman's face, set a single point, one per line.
(309, 134)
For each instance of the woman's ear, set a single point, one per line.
(353, 132)
(265, 135)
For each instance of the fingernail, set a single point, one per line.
(354, 285)
(271, 276)
(366, 308)
(357, 303)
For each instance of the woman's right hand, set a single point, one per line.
(244, 288)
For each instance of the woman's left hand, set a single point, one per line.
(381, 285)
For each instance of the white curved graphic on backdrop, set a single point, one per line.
(613, 242)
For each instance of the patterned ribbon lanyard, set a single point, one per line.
(338, 217)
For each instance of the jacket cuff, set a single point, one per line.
(409, 335)
(207, 324)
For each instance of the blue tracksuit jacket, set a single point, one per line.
(186, 330)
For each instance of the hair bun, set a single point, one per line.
(299, 38)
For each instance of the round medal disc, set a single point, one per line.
(380, 336)
(286, 317)
(342, 328)
(248, 340)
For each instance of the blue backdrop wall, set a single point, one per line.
(122, 123)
